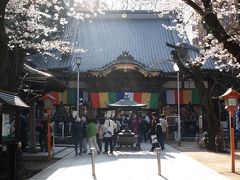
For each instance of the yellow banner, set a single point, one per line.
(146, 99)
(103, 97)
(185, 97)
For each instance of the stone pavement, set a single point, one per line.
(130, 165)
(220, 162)
(59, 153)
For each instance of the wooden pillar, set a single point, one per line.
(32, 126)
(232, 144)
(18, 124)
(0, 124)
(12, 158)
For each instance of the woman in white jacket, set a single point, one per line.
(109, 126)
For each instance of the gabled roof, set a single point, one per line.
(141, 33)
(35, 84)
(39, 80)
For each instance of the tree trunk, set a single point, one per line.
(4, 59)
(195, 73)
(15, 68)
(11, 62)
(206, 100)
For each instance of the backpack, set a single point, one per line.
(158, 129)
(108, 132)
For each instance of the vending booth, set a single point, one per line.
(10, 110)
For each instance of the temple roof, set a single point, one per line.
(11, 99)
(104, 38)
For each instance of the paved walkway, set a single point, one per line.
(59, 152)
(130, 165)
(220, 162)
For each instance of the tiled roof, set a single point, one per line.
(105, 37)
(12, 99)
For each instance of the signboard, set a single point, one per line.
(47, 103)
(232, 101)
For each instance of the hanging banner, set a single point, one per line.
(101, 99)
(68, 97)
(186, 96)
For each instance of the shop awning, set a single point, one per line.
(11, 99)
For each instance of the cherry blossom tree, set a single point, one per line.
(32, 26)
(220, 34)
(219, 39)
(26, 24)
(220, 19)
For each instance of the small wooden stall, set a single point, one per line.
(10, 109)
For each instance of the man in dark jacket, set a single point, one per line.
(77, 134)
(160, 135)
(42, 130)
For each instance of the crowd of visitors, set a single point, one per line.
(101, 133)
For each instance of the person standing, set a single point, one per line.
(159, 134)
(143, 129)
(116, 131)
(84, 129)
(109, 127)
(175, 128)
(164, 125)
(77, 134)
(91, 135)
(24, 131)
(136, 129)
(42, 129)
(152, 131)
(99, 134)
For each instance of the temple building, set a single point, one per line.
(125, 53)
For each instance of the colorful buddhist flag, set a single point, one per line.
(112, 98)
(146, 99)
(154, 100)
(100, 100)
(180, 96)
(120, 95)
(95, 100)
(195, 97)
(103, 97)
(170, 96)
(137, 96)
(185, 97)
